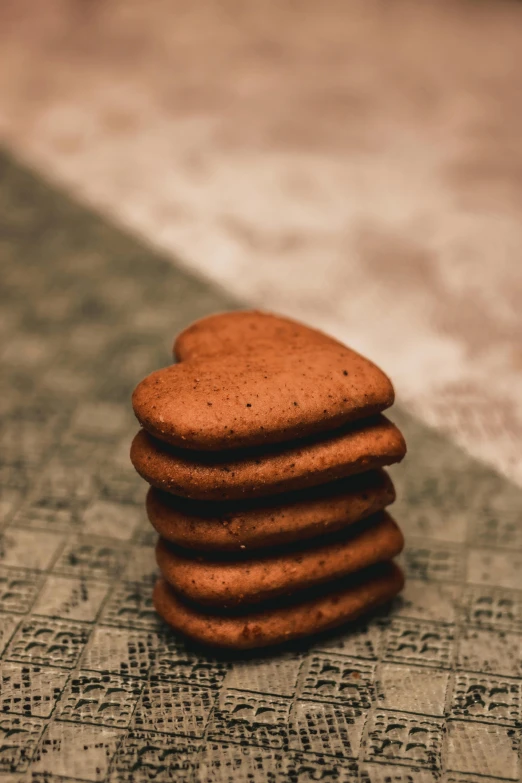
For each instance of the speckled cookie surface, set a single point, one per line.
(225, 583)
(277, 625)
(203, 476)
(246, 379)
(218, 335)
(243, 526)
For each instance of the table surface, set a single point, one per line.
(93, 686)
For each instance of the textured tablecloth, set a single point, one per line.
(93, 686)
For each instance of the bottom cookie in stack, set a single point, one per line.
(268, 598)
(280, 621)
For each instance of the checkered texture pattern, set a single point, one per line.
(93, 687)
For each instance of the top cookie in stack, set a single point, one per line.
(266, 440)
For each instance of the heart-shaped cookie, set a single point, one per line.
(267, 522)
(304, 614)
(248, 378)
(353, 449)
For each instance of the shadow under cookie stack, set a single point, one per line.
(264, 446)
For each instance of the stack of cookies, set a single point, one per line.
(264, 447)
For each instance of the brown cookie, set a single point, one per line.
(343, 603)
(242, 525)
(247, 379)
(225, 583)
(354, 449)
(218, 334)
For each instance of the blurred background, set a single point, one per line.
(356, 165)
